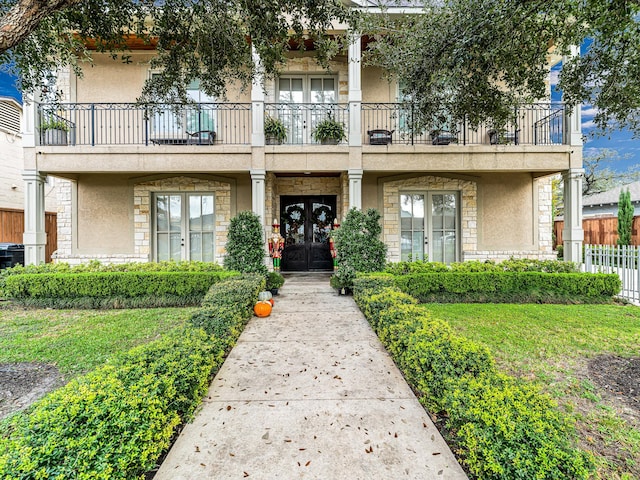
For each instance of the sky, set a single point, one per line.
(620, 140)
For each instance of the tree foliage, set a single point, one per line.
(625, 218)
(358, 245)
(210, 40)
(481, 58)
(600, 176)
(245, 244)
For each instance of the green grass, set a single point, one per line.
(552, 344)
(77, 341)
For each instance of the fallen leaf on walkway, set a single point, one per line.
(245, 474)
(435, 453)
(228, 407)
(197, 449)
(265, 436)
(307, 464)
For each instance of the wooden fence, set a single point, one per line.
(12, 228)
(601, 231)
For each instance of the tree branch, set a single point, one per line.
(24, 17)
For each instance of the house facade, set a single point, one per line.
(157, 182)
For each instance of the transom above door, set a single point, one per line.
(430, 224)
(305, 224)
(184, 226)
(303, 101)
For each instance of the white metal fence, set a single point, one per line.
(621, 259)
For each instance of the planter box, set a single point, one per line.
(55, 136)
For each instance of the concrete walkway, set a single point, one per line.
(310, 392)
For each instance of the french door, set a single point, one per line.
(184, 226)
(430, 225)
(306, 223)
(304, 101)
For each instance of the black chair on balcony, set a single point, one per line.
(503, 138)
(201, 137)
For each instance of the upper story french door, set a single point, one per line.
(303, 101)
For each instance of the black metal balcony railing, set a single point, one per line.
(538, 124)
(230, 124)
(153, 124)
(301, 119)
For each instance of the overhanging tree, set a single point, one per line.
(478, 59)
(210, 40)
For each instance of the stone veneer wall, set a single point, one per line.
(306, 186)
(391, 210)
(142, 209)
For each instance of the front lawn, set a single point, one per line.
(78, 341)
(567, 348)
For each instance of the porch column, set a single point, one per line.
(258, 193)
(355, 91)
(34, 237)
(257, 103)
(572, 234)
(355, 188)
(573, 118)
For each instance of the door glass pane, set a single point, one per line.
(162, 243)
(176, 246)
(207, 247)
(208, 219)
(195, 246)
(195, 213)
(412, 227)
(201, 219)
(293, 223)
(162, 213)
(322, 217)
(175, 213)
(444, 227)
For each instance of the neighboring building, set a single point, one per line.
(11, 181)
(605, 204)
(144, 185)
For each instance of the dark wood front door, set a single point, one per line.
(306, 222)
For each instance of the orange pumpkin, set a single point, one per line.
(262, 309)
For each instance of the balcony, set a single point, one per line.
(103, 124)
(210, 125)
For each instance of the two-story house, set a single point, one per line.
(158, 182)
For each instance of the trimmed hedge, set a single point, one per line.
(513, 265)
(513, 287)
(499, 426)
(115, 422)
(227, 306)
(158, 288)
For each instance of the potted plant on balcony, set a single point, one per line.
(55, 131)
(329, 132)
(274, 131)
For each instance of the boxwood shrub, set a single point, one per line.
(115, 422)
(499, 427)
(515, 287)
(512, 265)
(115, 289)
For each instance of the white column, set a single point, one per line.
(573, 118)
(34, 237)
(258, 193)
(29, 120)
(355, 188)
(257, 103)
(573, 235)
(355, 91)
